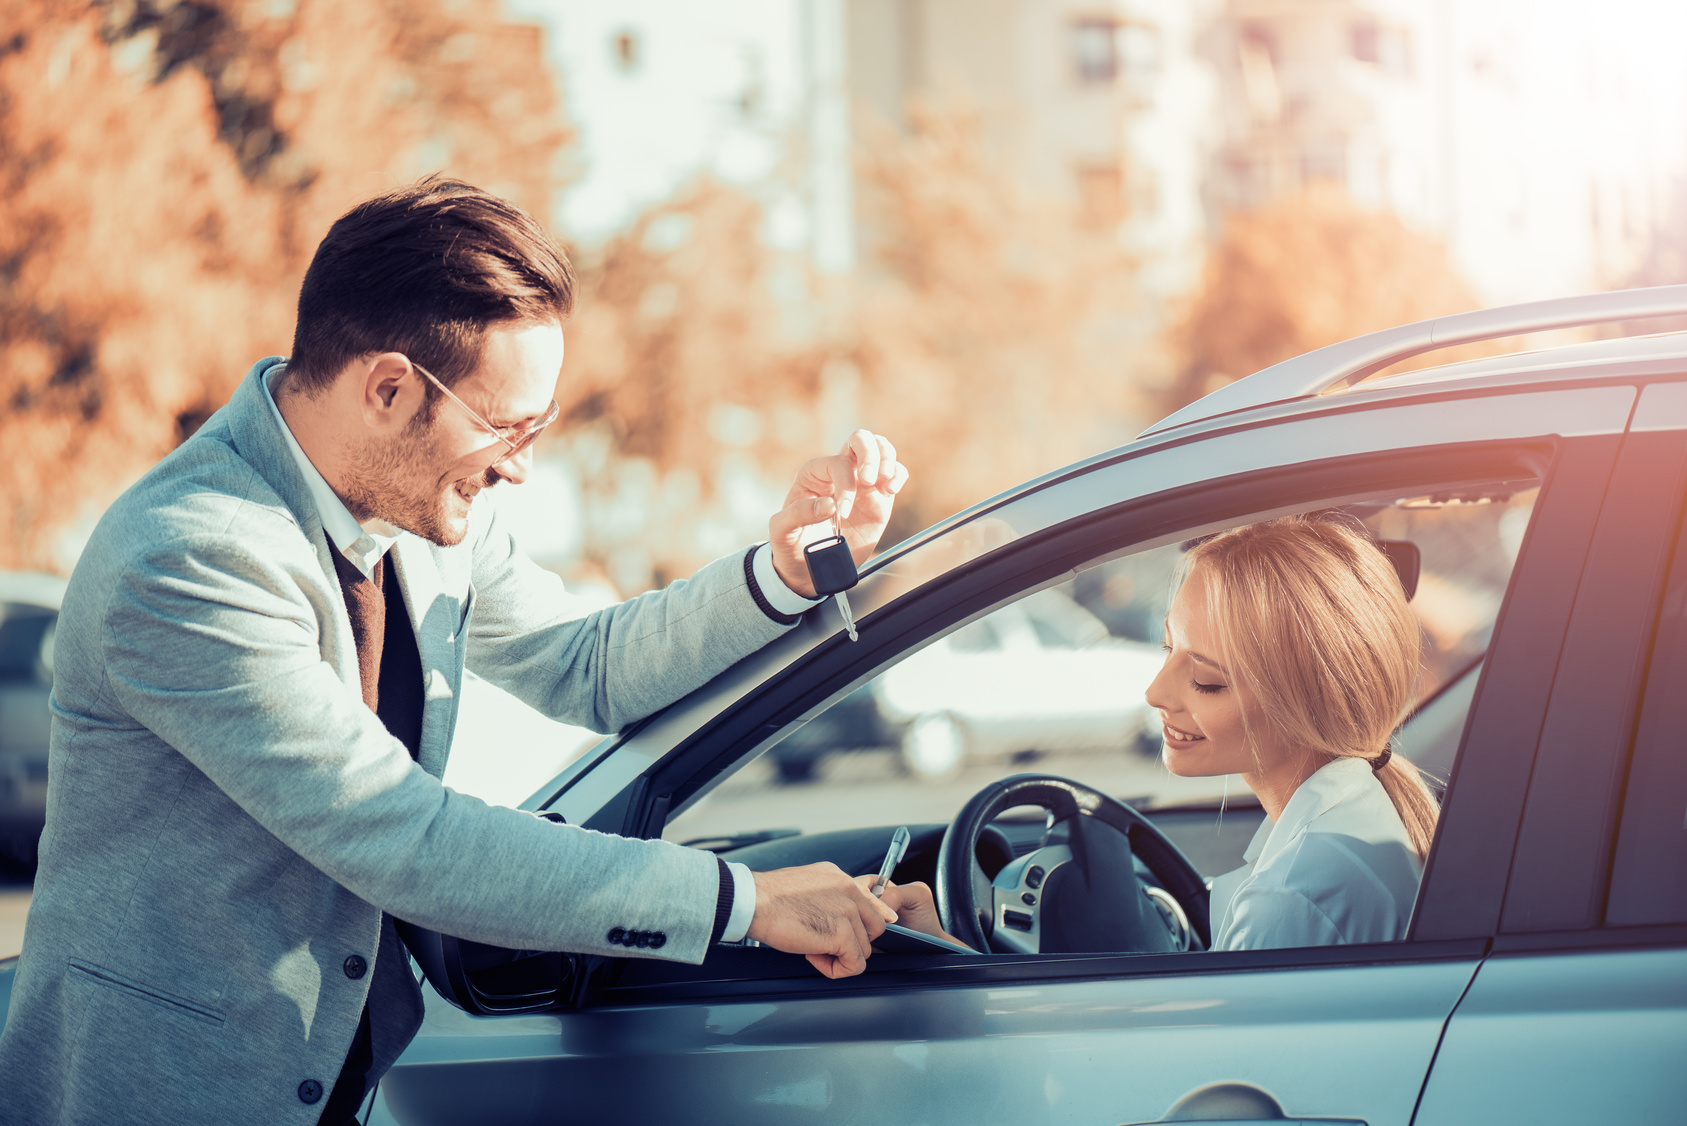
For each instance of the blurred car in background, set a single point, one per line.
(29, 614)
(1043, 675)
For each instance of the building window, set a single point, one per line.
(626, 49)
(1105, 50)
(1095, 51)
(1389, 49)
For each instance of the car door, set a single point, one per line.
(1580, 1014)
(1343, 1033)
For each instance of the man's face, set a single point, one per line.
(425, 479)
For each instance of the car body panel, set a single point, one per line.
(1566, 1038)
(1103, 1051)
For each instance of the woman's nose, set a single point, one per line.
(1156, 695)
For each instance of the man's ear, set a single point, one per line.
(389, 391)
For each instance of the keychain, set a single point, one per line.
(831, 567)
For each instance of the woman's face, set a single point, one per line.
(1199, 701)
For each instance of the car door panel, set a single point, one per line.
(1566, 1038)
(1581, 1016)
(1092, 1051)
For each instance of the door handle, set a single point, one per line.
(1237, 1104)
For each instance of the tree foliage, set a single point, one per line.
(168, 169)
(1304, 271)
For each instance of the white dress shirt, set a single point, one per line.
(1336, 867)
(365, 543)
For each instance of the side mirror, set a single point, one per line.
(491, 980)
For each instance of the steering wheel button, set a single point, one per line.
(1029, 899)
(1034, 878)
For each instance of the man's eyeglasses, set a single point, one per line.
(517, 438)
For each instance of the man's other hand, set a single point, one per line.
(818, 911)
(860, 484)
(914, 906)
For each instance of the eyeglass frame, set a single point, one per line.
(525, 434)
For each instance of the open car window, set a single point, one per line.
(1053, 681)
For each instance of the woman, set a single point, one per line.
(1291, 656)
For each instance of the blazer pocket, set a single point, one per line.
(99, 975)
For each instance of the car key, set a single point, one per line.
(831, 567)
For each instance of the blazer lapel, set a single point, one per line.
(440, 617)
(259, 442)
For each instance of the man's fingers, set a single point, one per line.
(887, 461)
(863, 447)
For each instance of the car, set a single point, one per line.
(1533, 506)
(1024, 682)
(29, 613)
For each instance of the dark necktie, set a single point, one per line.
(390, 673)
(388, 664)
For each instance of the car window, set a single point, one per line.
(26, 643)
(1053, 682)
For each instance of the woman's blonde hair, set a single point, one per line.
(1314, 621)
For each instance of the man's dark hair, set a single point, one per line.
(424, 270)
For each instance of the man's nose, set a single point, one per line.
(515, 467)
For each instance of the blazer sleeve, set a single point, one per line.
(604, 669)
(214, 647)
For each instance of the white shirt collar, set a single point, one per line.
(1325, 787)
(364, 544)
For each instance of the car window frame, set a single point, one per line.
(833, 669)
(837, 666)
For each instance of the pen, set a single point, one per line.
(893, 857)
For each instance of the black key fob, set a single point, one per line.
(831, 566)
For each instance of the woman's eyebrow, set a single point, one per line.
(1210, 663)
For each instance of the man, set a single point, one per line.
(257, 672)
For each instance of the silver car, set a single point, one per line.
(29, 614)
(1533, 505)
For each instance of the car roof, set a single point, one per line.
(1344, 374)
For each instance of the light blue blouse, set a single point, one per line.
(1336, 867)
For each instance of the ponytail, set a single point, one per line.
(1412, 801)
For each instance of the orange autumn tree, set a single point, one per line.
(997, 333)
(168, 169)
(1307, 270)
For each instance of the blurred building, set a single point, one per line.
(1105, 105)
(1538, 138)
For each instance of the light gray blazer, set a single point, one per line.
(227, 820)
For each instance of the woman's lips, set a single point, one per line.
(1177, 736)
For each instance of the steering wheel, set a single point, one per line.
(1043, 900)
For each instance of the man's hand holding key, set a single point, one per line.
(858, 486)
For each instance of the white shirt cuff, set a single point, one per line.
(781, 597)
(743, 903)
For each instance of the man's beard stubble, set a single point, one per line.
(393, 481)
